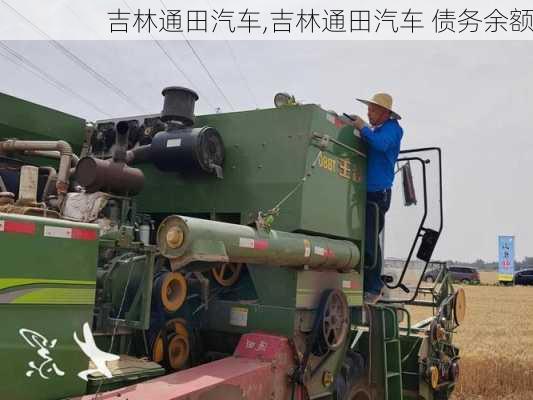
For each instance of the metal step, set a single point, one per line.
(387, 348)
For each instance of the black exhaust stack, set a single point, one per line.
(179, 105)
(121, 142)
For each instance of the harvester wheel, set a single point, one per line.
(226, 274)
(335, 323)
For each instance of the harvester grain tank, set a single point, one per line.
(176, 256)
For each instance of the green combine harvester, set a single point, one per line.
(175, 256)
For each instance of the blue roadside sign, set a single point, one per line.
(505, 258)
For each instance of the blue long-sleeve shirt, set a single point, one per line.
(383, 148)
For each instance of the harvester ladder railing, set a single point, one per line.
(385, 333)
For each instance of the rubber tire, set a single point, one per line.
(361, 391)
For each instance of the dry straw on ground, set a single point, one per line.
(496, 342)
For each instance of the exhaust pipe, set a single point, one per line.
(65, 158)
(51, 154)
(113, 176)
(121, 142)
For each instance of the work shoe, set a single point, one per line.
(371, 298)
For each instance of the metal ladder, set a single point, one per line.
(386, 369)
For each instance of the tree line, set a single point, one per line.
(493, 265)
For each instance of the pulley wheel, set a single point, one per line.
(335, 322)
(226, 274)
(178, 352)
(178, 349)
(173, 291)
(434, 377)
(459, 306)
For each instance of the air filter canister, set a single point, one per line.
(188, 150)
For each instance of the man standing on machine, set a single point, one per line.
(383, 137)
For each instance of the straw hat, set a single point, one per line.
(383, 100)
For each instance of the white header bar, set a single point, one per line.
(262, 20)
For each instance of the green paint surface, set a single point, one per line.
(57, 296)
(24, 120)
(55, 279)
(268, 152)
(14, 282)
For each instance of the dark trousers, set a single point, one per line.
(372, 278)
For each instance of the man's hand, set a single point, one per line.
(358, 122)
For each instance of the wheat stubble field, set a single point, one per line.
(496, 342)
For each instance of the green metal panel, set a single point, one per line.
(47, 285)
(24, 120)
(284, 296)
(311, 285)
(410, 345)
(133, 275)
(236, 317)
(386, 366)
(274, 286)
(332, 199)
(268, 152)
(259, 146)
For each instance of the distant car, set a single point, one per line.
(524, 277)
(458, 274)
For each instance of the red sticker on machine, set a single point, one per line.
(329, 253)
(84, 234)
(249, 243)
(324, 252)
(349, 285)
(69, 233)
(26, 228)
